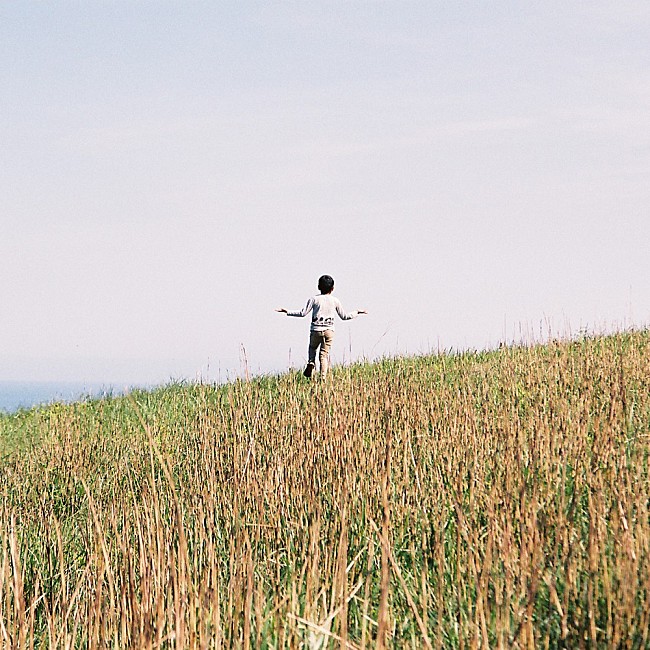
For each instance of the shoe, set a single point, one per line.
(309, 369)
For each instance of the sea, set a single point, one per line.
(17, 395)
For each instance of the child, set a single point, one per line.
(323, 308)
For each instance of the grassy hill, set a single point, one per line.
(496, 499)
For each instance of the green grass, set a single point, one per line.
(503, 496)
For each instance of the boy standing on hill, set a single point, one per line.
(323, 308)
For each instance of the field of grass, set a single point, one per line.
(491, 499)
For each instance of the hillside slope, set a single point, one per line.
(490, 499)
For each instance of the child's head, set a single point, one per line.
(326, 284)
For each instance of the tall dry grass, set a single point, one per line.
(474, 500)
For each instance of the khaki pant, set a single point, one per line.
(324, 340)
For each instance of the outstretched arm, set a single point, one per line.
(343, 315)
(302, 312)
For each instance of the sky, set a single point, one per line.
(469, 172)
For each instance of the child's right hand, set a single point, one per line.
(282, 311)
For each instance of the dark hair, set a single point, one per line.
(325, 284)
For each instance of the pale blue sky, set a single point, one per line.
(173, 171)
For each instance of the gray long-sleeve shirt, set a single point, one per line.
(323, 308)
